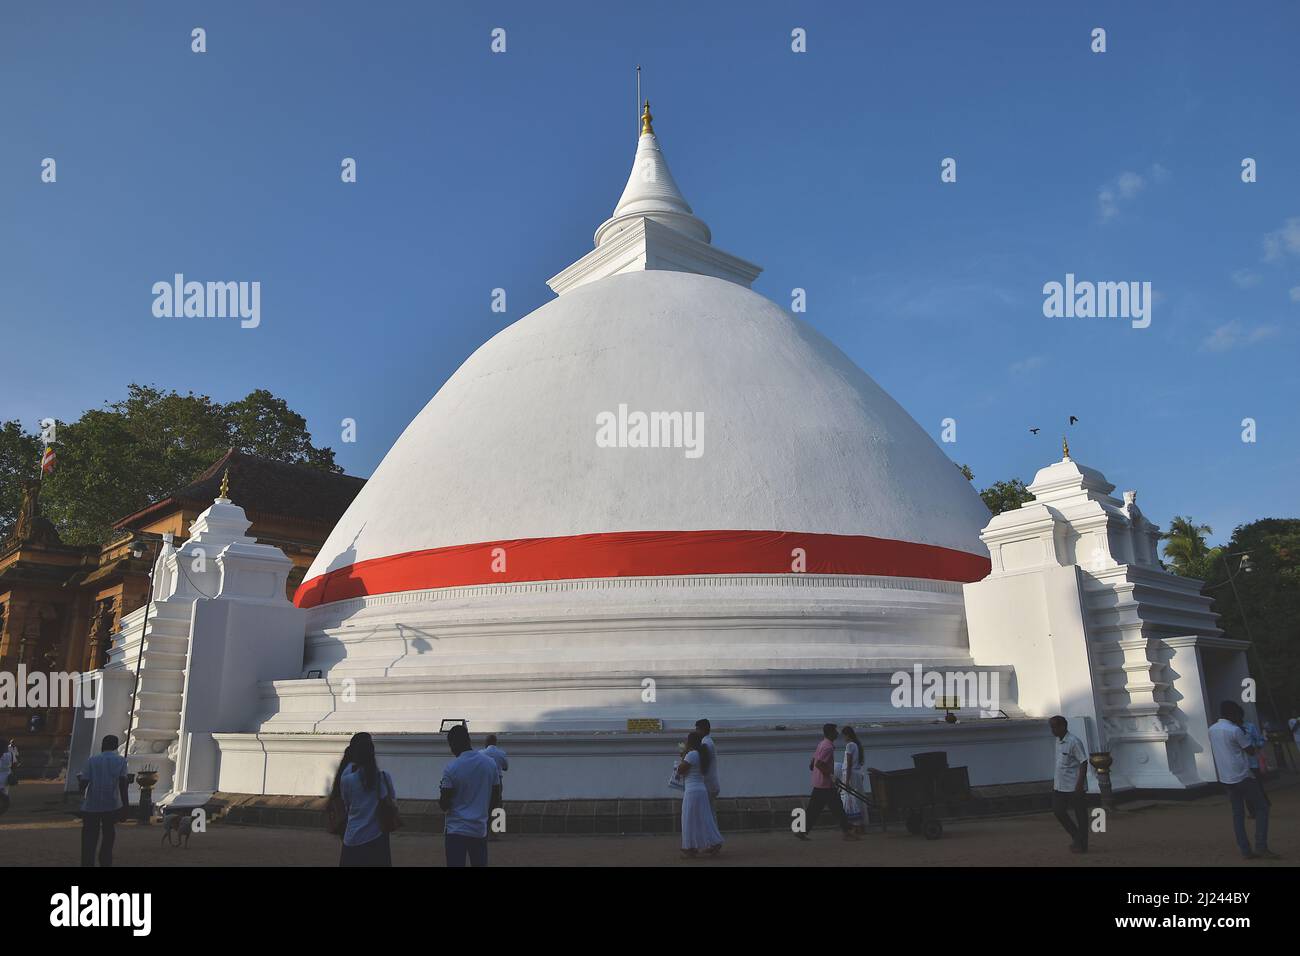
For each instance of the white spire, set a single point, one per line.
(652, 193)
(653, 228)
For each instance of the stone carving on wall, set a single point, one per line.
(101, 634)
(1147, 725)
(1143, 534)
(30, 638)
(32, 527)
(40, 648)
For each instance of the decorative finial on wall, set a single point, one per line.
(1065, 447)
(225, 486)
(645, 120)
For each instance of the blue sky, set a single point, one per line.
(479, 170)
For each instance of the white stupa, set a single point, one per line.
(504, 565)
(662, 497)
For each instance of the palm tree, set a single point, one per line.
(1186, 550)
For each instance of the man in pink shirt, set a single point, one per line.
(822, 766)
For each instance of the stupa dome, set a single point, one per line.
(658, 475)
(792, 438)
(658, 418)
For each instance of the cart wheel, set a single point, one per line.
(914, 822)
(933, 829)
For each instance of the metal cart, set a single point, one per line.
(915, 793)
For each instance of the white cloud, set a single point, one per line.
(1028, 364)
(1236, 334)
(1246, 279)
(1130, 184)
(1107, 207)
(1295, 293)
(1283, 241)
(1126, 187)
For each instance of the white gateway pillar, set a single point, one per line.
(1100, 633)
(217, 624)
(245, 632)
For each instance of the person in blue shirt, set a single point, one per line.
(493, 750)
(1231, 748)
(1257, 740)
(6, 769)
(466, 794)
(362, 786)
(104, 804)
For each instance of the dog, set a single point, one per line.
(182, 824)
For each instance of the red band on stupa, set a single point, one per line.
(640, 554)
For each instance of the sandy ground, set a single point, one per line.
(39, 830)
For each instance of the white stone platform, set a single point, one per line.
(558, 766)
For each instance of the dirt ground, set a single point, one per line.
(39, 830)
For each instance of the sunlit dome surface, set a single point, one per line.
(795, 437)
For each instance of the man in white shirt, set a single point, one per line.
(1070, 784)
(711, 783)
(465, 795)
(104, 803)
(1232, 749)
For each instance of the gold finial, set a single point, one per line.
(225, 485)
(645, 120)
(1065, 446)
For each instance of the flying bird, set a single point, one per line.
(1034, 430)
(1073, 419)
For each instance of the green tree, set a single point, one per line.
(1006, 495)
(1266, 597)
(1186, 550)
(20, 454)
(1001, 495)
(117, 459)
(263, 425)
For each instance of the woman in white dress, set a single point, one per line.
(851, 775)
(699, 828)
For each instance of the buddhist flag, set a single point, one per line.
(47, 460)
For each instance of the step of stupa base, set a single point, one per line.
(595, 817)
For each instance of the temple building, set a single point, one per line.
(660, 497)
(61, 605)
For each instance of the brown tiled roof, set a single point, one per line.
(264, 486)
